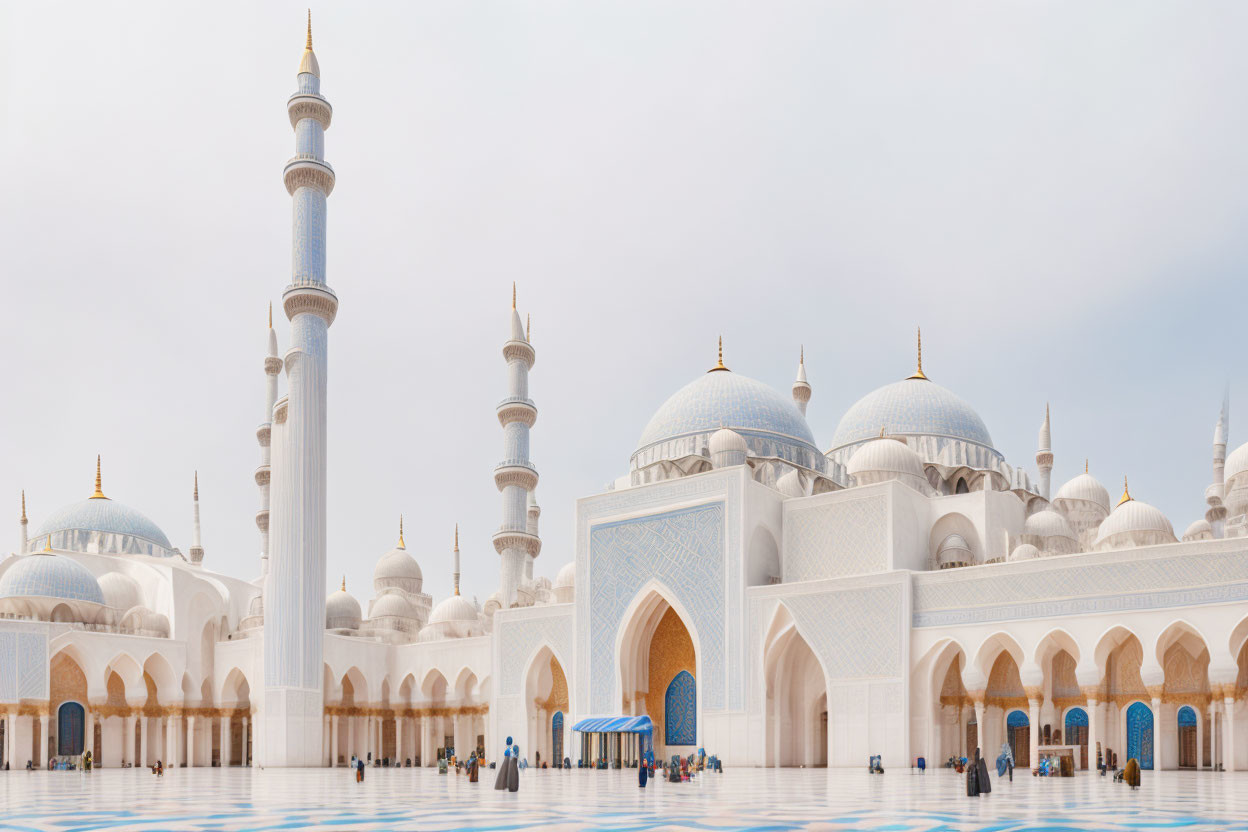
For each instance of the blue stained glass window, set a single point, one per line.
(1140, 734)
(1187, 716)
(556, 730)
(69, 728)
(680, 712)
(1017, 719)
(1076, 717)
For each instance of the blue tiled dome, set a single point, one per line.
(68, 524)
(50, 576)
(912, 407)
(723, 399)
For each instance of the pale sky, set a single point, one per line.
(1057, 193)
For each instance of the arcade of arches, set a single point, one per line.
(1165, 712)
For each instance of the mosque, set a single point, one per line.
(908, 592)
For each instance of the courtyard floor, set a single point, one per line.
(811, 799)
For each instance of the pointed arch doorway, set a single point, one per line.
(659, 678)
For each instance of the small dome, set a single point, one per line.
(727, 441)
(1048, 523)
(1086, 488)
(1024, 551)
(256, 607)
(1134, 523)
(143, 621)
(566, 576)
(454, 609)
(790, 485)
(398, 570)
(392, 605)
(342, 611)
(121, 592)
(885, 456)
(1236, 463)
(1199, 530)
(911, 407)
(954, 551)
(45, 575)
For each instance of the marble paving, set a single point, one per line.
(232, 800)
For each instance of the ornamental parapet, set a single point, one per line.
(303, 105)
(262, 520)
(272, 365)
(312, 298)
(264, 431)
(505, 539)
(520, 350)
(1044, 459)
(515, 472)
(516, 409)
(262, 475)
(307, 172)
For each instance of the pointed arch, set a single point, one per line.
(991, 648)
(795, 695)
(638, 623)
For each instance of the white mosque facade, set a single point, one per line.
(908, 593)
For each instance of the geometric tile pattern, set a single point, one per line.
(32, 666)
(234, 799)
(855, 633)
(846, 537)
(1073, 586)
(685, 550)
(518, 638)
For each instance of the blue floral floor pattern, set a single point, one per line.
(246, 800)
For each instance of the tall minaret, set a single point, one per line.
(294, 610)
(197, 549)
(515, 476)
(264, 434)
(1215, 494)
(1044, 454)
(801, 387)
(25, 540)
(531, 526)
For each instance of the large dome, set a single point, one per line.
(767, 420)
(114, 527)
(45, 575)
(911, 407)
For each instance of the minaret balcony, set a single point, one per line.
(264, 434)
(303, 105)
(517, 409)
(518, 472)
(263, 473)
(305, 171)
(505, 539)
(262, 520)
(521, 351)
(310, 297)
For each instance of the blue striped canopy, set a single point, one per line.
(615, 724)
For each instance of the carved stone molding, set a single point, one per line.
(308, 173)
(264, 433)
(304, 105)
(528, 543)
(521, 350)
(262, 520)
(505, 475)
(312, 299)
(272, 365)
(517, 411)
(262, 475)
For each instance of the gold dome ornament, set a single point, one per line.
(308, 62)
(1126, 493)
(918, 373)
(98, 495)
(719, 365)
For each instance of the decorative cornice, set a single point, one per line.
(517, 410)
(507, 474)
(308, 105)
(528, 543)
(521, 351)
(272, 365)
(264, 432)
(262, 520)
(313, 299)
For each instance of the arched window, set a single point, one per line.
(1077, 733)
(680, 712)
(1140, 734)
(556, 730)
(961, 487)
(69, 729)
(1187, 737)
(1018, 733)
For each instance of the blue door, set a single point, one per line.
(70, 722)
(1076, 733)
(556, 730)
(1140, 734)
(680, 711)
(1018, 734)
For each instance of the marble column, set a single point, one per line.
(1200, 744)
(127, 753)
(1228, 727)
(88, 742)
(398, 740)
(243, 752)
(979, 727)
(171, 744)
(1033, 729)
(190, 741)
(1094, 731)
(226, 756)
(145, 733)
(426, 743)
(333, 741)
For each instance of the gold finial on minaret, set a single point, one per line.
(881, 431)
(309, 43)
(918, 373)
(528, 327)
(270, 314)
(23, 505)
(513, 294)
(1085, 465)
(801, 355)
(719, 365)
(1126, 493)
(197, 486)
(98, 495)
(456, 550)
(402, 545)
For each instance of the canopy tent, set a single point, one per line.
(615, 725)
(602, 739)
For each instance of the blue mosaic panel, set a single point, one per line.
(1017, 719)
(680, 711)
(556, 733)
(8, 667)
(1187, 717)
(685, 551)
(1076, 718)
(1140, 734)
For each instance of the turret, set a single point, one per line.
(264, 435)
(535, 512)
(21, 549)
(197, 549)
(455, 567)
(516, 476)
(1044, 454)
(1215, 494)
(801, 387)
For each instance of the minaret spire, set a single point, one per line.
(99, 494)
(719, 364)
(264, 436)
(294, 613)
(1044, 454)
(309, 44)
(25, 540)
(1215, 494)
(455, 573)
(197, 549)
(515, 476)
(918, 373)
(801, 387)
(402, 545)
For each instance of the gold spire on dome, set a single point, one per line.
(918, 373)
(881, 431)
(1085, 465)
(456, 537)
(308, 62)
(720, 363)
(23, 505)
(98, 495)
(1126, 493)
(344, 583)
(47, 546)
(402, 545)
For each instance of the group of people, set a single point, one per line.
(509, 769)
